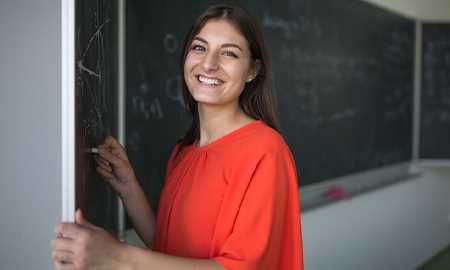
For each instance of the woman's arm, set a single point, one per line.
(138, 258)
(82, 245)
(115, 168)
(141, 214)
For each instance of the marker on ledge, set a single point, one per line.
(92, 150)
(336, 193)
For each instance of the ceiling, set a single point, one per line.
(425, 10)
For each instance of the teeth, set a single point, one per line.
(208, 81)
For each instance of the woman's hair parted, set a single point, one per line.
(257, 99)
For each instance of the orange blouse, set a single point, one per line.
(235, 201)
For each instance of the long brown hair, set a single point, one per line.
(256, 100)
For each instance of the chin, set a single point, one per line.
(200, 99)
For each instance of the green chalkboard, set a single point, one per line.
(435, 92)
(96, 105)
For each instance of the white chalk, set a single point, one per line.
(92, 150)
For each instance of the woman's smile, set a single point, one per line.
(209, 81)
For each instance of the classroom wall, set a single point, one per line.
(30, 186)
(396, 227)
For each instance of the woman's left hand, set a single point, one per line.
(82, 245)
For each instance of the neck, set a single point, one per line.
(217, 121)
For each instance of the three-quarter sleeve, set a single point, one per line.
(266, 233)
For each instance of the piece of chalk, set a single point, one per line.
(92, 150)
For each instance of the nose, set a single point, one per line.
(210, 62)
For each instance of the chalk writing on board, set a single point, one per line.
(93, 123)
(96, 36)
(291, 28)
(171, 43)
(348, 113)
(134, 140)
(331, 67)
(174, 89)
(436, 78)
(95, 105)
(147, 107)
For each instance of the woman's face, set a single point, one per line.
(218, 64)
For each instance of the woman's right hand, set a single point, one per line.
(115, 168)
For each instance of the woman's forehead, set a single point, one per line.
(222, 31)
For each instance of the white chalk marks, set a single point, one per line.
(148, 102)
(98, 37)
(171, 43)
(147, 107)
(174, 89)
(92, 71)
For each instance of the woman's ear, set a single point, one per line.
(256, 66)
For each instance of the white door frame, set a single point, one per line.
(68, 109)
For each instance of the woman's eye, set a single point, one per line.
(231, 54)
(198, 48)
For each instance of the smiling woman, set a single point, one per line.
(227, 41)
(230, 199)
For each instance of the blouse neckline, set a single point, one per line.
(226, 137)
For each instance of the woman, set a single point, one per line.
(230, 199)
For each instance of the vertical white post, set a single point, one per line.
(68, 109)
(121, 100)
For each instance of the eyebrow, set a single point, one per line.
(223, 45)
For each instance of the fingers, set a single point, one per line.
(68, 230)
(61, 244)
(80, 219)
(63, 257)
(113, 145)
(109, 157)
(63, 266)
(102, 160)
(105, 174)
(111, 142)
(103, 164)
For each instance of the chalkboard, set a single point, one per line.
(435, 92)
(95, 105)
(343, 80)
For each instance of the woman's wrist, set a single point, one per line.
(132, 257)
(125, 257)
(131, 188)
